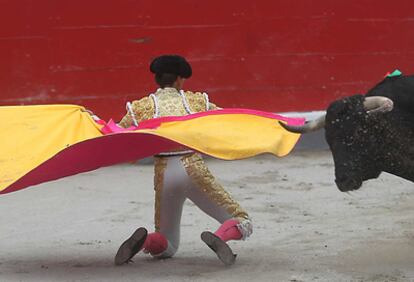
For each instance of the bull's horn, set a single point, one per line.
(372, 104)
(309, 126)
(379, 104)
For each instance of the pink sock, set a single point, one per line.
(229, 231)
(155, 243)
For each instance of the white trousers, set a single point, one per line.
(174, 187)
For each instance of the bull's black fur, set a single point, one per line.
(363, 145)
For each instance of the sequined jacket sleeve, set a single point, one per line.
(142, 109)
(199, 102)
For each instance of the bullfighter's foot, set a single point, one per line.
(131, 246)
(223, 251)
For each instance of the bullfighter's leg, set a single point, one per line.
(169, 200)
(170, 184)
(210, 197)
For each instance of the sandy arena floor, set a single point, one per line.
(305, 229)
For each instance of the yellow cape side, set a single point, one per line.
(230, 136)
(34, 134)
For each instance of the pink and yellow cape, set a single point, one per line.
(47, 142)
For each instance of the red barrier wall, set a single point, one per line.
(273, 55)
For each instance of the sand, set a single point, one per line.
(305, 228)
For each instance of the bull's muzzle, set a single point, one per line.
(348, 184)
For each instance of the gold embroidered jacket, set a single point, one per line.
(166, 102)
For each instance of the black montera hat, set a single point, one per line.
(174, 64)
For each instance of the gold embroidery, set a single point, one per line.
(196, 101)
(143, 110)
(160, 165)
(170, 102)
(126, 121)
(202, 177)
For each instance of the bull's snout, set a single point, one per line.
(346, 184)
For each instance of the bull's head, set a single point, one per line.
(349, 124)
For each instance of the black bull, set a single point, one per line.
(365, 143)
